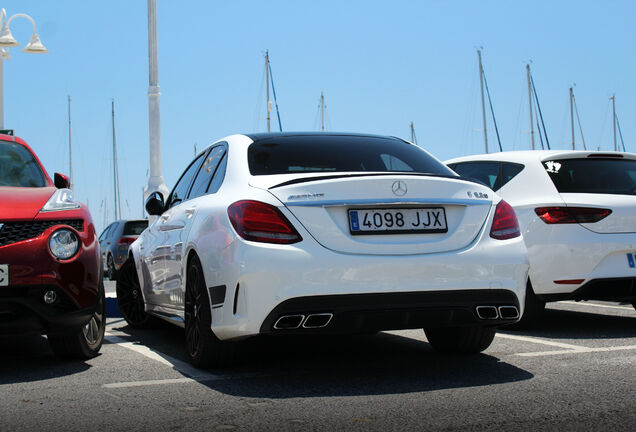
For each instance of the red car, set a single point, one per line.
(50, 272)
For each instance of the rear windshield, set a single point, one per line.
(135, 227)
(602, 176)
(326, 154)
(18, 167)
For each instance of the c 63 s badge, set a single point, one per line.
(477, 195)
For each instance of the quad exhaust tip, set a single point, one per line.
(317, 320)
(311, 321)
(289, 322)
(494, 312)
(487, 312)
(508, 312)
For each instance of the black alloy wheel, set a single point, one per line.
(85, 342)
(460, 340)
(129, 297)
(203, 347)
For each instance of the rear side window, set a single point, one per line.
(18, 167)
(135, 227)
(206, 172)
(327, 154)
(493, 174)
(593, 175)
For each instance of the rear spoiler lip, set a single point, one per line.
(337, 176)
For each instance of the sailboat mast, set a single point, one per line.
(70, 146)
(116, 206)
(269, 104)
(578, 119)
(572, 114)
(322, 111)
(613, 98)
(483, 103)
(530, 102)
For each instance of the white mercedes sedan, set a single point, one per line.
(308, 233)
(577, 212)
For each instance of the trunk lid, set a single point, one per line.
(322, 204)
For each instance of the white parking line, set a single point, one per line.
(569, 348)
(178, 365)
(580, 350)
(597, 305)
(148, 383)
(538, 341)
(192, 374)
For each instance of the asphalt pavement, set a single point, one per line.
(576, 371)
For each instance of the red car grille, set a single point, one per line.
(13, 232)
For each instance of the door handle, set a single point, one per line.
(190, 212)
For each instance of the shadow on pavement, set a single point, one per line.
(291, 367)
(29, 358)
(565, 324)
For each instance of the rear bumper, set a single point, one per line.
(362, 291)
(610, 289)
(571, 252)
(375, 312)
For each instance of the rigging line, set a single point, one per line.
(517, 131)
(620, 134)
(271, 77)
(492, 111)
(536, 117)
(576, 111)
(536, 98)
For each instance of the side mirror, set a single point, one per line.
(154, 204)
(61, 181)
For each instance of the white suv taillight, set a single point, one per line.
(568, 215)
(504, 224)
(261, 222)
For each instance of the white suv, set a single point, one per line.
(577, 213)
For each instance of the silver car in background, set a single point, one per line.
(114, 242)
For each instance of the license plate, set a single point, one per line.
(4, 274)
(398, 221)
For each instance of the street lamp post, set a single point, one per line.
(155, 180)
(7, 40)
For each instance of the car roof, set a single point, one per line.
(269, 135)
(525, 156)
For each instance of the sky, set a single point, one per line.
(380, 64)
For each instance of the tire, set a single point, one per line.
(111, 273)
(83, 343)
(129, 297)
(204, 349)
(533, 310)
(460, 340)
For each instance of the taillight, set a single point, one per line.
(504, 224)
(126, 240)
(261, 222)
(568, 215)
